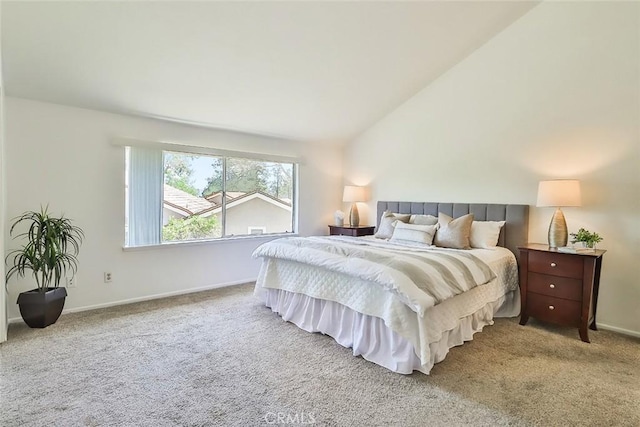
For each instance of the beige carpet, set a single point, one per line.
(220, 358)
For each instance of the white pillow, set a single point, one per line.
(414, 233)
(388, 222)
(423, 220)
(485, 234)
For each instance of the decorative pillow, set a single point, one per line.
(485, 234)
(453, 233)
(423, 220)
(414, 233)
(387, 222)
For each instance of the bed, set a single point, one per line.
(387, 322)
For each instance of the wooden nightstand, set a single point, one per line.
(559, 287)
(347, 230)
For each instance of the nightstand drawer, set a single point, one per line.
(555, 264)
(555, 310)
(555, 286)
(347, 230)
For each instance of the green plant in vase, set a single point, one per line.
(586, 237)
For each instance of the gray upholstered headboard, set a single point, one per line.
(514, 233)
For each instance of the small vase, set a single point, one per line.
(588, 246)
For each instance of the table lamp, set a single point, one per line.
(558, 193)
(354, 194)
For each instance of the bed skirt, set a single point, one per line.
(370, 338)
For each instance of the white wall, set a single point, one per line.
(63, 156)
(555, 95)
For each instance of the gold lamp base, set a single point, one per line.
(558, 230)
(354, 216)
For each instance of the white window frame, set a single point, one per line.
(224, 154)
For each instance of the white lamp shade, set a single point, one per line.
(559, 193)
(353, 193)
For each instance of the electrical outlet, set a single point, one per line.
(107, 277)
(72, 282)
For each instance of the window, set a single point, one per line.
(179, 196)
(257, 230)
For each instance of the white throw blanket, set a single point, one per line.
(420, 277)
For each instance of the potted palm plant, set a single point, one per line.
(51, 249)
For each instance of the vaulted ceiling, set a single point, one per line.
(311, 71)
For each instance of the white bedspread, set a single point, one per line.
(419, 277)
(358, 294)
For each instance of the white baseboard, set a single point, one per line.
(147, 297)
(235, 283)
(618, 330)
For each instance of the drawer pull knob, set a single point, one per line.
(553, 264)
(551, 307)
(552, 286)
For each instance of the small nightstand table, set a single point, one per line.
(348, 230)
(559, 287)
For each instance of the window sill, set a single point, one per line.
(208, 242)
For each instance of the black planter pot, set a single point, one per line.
(41, 309)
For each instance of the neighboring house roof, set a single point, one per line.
(187, 204)
(216, 198)
(184, 202)
(245, 198)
